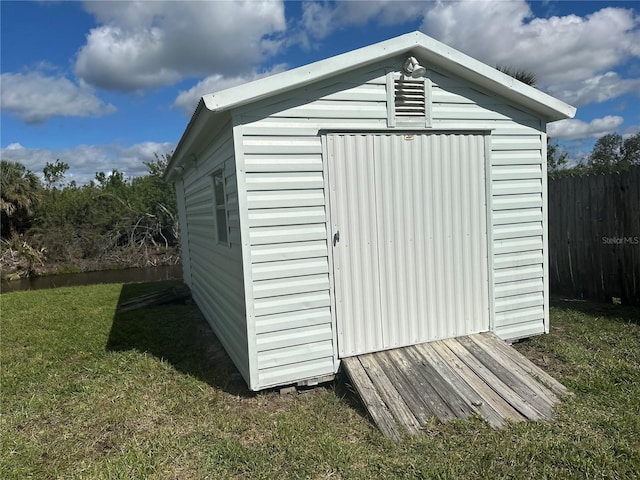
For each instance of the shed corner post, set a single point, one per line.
(489, 227)
(243, 211)
(545, 227)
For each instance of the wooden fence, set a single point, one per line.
(594, 236)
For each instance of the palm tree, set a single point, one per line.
(520, 74)
(19, 194)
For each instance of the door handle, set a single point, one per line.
(336, 237)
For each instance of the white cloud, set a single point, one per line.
(557, 48)
(319, 19)
(14, 146)
(577, 129)
(85, 160)
(35, 98)
(188, 99)
(596, 89)
(572, 57)
(145, 44)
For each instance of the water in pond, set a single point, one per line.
(129, 275)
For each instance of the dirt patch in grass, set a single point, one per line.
(542, 357)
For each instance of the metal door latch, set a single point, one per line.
(336, 238)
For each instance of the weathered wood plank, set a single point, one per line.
(375, 406)
(389, 394)
(537, 403)
(424, 390)
(477, 403)
(458, 406)
(422, 412)
(492, 349)
(405, 389)
(493, 381)
(530, 367)
(495, 401)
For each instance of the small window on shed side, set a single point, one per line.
(220, 198)
(408, 101)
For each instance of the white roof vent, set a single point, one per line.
(410, 98)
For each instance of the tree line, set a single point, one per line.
(611, 154)
(55, 226)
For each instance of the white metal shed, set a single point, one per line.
(346, 207)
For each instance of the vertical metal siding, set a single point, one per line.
(355, 257)
(411, 263)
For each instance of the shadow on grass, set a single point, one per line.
(343, 388)
(610, 311)
(175, 333)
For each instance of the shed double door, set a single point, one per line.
(409, 236)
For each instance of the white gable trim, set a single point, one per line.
(429, 50)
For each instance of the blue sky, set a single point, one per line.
(105, 85)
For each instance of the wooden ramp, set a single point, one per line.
(404, 389)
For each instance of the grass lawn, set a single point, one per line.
(88, 393)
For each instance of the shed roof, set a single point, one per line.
(430, 51)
